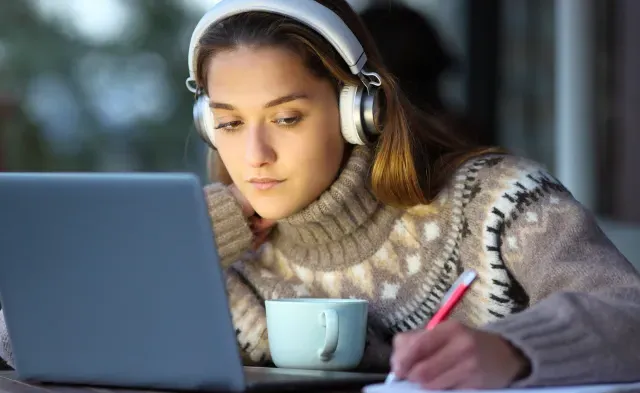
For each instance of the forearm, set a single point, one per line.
(578, 337)
(231, 229)
(583, 322)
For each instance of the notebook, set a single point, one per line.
(407, 387)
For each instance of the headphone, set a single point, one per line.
(357, 103)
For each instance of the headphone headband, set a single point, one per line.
(314, 15)
(357, 105)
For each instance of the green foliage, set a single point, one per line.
(32, 47)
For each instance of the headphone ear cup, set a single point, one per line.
(357, 117)
(203, 120)
(349, 116)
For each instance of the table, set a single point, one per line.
(8, 384)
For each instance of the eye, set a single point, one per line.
(288, 121)
(229, 126)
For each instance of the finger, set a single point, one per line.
(457, 375)
(475, 382)
(442, 360)
(401, 343)
(404, 352)
(412, 349)
(259, 240)
(263, 223)
(258, 223)
(402, 340)
(261, 234)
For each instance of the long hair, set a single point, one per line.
(415, 155)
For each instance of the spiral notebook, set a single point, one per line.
(406, 387)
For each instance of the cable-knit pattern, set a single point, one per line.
(335, 230)
(5, 343)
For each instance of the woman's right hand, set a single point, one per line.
(259, 226)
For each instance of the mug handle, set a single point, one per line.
(329, 319)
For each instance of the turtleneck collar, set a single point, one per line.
(345, 225)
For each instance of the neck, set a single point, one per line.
(335, 228)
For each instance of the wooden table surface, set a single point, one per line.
(8, 384)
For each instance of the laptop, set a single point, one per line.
(113, 279)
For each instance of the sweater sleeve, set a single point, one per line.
(5, 344)
(249, 319)
(583, 322)
(233, 238)
(232, 233)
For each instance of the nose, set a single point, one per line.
(259, 151)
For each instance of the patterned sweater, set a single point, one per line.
(549, 280)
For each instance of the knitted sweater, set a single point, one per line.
(549, 281)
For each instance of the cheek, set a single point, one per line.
(322, 152)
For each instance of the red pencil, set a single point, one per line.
(449, 301)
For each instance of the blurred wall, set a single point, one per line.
(626, 132)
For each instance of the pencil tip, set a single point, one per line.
(390, 378)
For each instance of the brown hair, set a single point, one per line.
(415, 155)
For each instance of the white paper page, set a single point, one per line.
(406, 387)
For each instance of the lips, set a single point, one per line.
(264, 184)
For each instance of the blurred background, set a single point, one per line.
(99, 85)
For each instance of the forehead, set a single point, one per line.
(257, 75)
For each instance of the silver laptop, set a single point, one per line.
(114, 280)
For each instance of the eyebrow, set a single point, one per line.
(270, 104)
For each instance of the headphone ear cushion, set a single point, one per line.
(204, 122)
(348, 112)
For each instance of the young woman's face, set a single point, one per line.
(277, 128)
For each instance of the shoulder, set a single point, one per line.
(507, 195)
(510, 174)
(498, 183)
(503, 184)
(487, 195)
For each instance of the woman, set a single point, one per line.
(395, 221)
(297, 211)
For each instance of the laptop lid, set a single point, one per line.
(114, 279)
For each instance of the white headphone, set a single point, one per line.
(357, 103)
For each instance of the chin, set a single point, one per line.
(273, 214)
(273, 210)
(280, 205)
